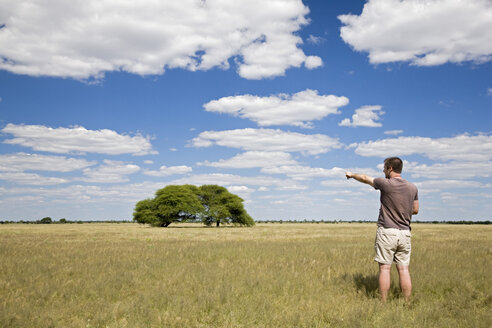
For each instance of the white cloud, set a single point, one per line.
(110, 172)
(83, 194)
(242, 191)
(436, 191)
(460, 148)
(425, 33)
(298, 109)
(37, 162)
(451, 170)
(165, 171)
(252, 159)
(22, 178)
(77, 140)
(299, 172)
(490, 92)
(84, 39)
(148, 162)
(364, 116)
(442, 184)
(393, 132)
(313, 62)
(233, 180)
(315, 39)
(268, 140)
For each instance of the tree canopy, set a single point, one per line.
(220, 206)
(46, 220)
(187, 203)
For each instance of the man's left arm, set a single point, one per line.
(415, 209)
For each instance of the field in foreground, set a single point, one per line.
(271, 275)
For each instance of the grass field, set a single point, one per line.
(271, 275)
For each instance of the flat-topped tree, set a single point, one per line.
(220, 206)
(171, 204)
(183, 203)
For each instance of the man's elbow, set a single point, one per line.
(415, 208)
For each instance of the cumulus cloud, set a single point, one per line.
(234, 180)
(313, 62)
(298, 109)
(86, 194)
(85, 39)
(364, 116)
(37, 162)
(23, 178)
(426, 33)
(315, 39)
(393, 132)
(76, 140)
(110, 172)
(252, 159)
(242, 191)
(451, 170)
(299, 172)
(165, 171)
(268, 140)
(442, 184)
(463, 147)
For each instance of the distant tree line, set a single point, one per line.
(48, 220)
(369, 221)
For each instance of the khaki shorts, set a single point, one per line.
(393, 245)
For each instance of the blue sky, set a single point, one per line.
(101, 104)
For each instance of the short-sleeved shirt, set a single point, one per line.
(397, 197)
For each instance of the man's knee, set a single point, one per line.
(384, 267)
(403, 272)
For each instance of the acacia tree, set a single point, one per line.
(46, 220)
(144, 212)
(220, 206)
(170, 204)
(209, 203)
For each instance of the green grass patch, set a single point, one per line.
(270, 275)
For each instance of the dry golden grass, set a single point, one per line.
(271, 275)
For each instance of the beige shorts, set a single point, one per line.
(393, 245)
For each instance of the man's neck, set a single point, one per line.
(395, 175)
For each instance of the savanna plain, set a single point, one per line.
(269, 275)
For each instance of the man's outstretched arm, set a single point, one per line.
(361, 178)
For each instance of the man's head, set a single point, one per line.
(392, 164)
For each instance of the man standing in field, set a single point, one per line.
(399, 201)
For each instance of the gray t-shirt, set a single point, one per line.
(397, 196)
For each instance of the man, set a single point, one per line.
(399, 201)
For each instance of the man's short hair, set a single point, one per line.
(395, 163)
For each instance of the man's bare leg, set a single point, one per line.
(384, 280)
(405, 281)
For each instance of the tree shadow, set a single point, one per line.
(368, 284)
